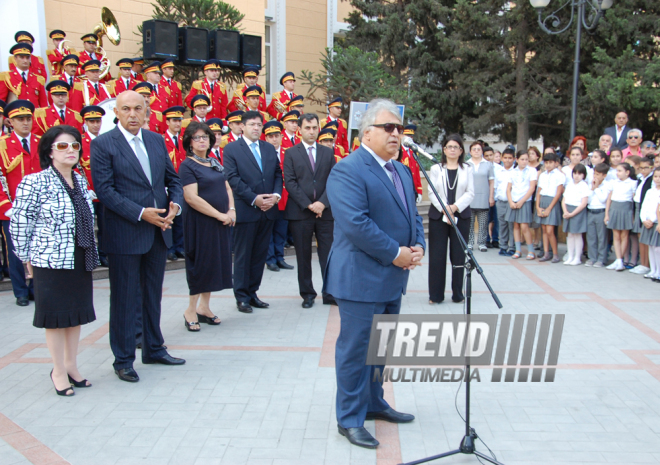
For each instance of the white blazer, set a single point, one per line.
(464, 186)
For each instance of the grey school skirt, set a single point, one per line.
(554, 218)
(637, 224)
(521, 215)
(621, 216)
(650, 236)
(577, 224)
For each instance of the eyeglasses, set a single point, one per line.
(390, 127)
(62, 146)
(205, 137)
(452, 147)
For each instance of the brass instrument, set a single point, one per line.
(280, 107)
(240, 104)
(62, 49)
(106, 27)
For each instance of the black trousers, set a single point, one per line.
(136, 286)
(442, 235)
(250, 252)
(302, 231)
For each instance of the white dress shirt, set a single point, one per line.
(638, 193)
(520, 182)
(624, 191)
(649, 210)
(568, 172)
(549, 182)
(380, 161)
(576, 192)
(598, 197)
(313, 146)
(502, 177)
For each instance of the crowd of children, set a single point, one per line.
(613, 204)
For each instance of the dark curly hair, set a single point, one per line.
(191, 130)
(48, 139)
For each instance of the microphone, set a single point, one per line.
(408, 142)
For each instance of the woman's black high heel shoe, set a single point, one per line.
(63, 392)
(79, 384)
(209, 321)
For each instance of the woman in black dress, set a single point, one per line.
(52, 226)
(207, 216)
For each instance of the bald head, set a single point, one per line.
(131, 111)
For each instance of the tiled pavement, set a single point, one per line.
(259, 389)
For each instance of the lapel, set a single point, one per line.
(127, 152)
(250, 155)
(153, 159)
(406, 192)
(377, 170)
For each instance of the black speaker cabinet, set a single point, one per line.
(225, 46)
(250, 50)
(159, 39)
(193, 46)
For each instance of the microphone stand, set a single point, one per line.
(467, 445)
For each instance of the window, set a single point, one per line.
(267, 42)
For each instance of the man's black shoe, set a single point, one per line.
(139, 346)
(172, 257)
(272, 267)
(31, 297)
(359, 436)
(22, 301)
(329, 300)
(255, 302)
(180, 254)
(308, 302)
(391, 415)
(128, 374)
(284, 265)
(244, 307)
(104, 262)
(489, 245)
(496, 245)
(167, 359)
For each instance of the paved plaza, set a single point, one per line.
(260, 388)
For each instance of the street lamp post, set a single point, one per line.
(552, 24)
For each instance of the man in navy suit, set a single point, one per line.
(254, 174)
(378, 238)
(619, 132)
(136, 182)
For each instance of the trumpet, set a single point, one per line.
(240, 104)
(280, 107)
(106, 27)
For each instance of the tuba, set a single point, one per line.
(62, 49)
(106, 27)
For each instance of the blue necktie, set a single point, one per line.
(255, 152)
(398, 185)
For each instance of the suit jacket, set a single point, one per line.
(371, 223)
(43, 221)
(301, 181)
(123, 188)
(247, 180)
(621, 143)
(464, 191)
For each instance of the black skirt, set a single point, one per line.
(63, 298)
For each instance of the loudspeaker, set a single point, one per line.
(193, 45)
(250, 50)
(159, 39)
(225, 46)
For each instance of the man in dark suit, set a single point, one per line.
(131, 170)
(619, 132)
(254, 174)
(378, 237)
(306, 169)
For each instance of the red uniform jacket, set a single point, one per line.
(84, 58)
(117, 86)
(160, 101)
(37, 66)
(157, 122)
(186, 122)
(408, 159)
(339, 153)
(77, 97)
(282, 97)
(217, 154)
(46, 118)
(32, 90)
(176, 152)
(15, 162)
(85, 160)
(173, 90)
(286, 142)
(55, 58)
(238, 100)
(218, 97)
(5, 203)
(285, 195)
(137, 77)
(342, 131)
(62, 77)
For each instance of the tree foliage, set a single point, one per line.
(359, 76)
(208, 14)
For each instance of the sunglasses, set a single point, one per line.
(390, 127)
(62, 146)
(633, 137)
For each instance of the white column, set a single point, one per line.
(280, 43)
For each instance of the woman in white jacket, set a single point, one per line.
(454, 181)
(52, 224)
